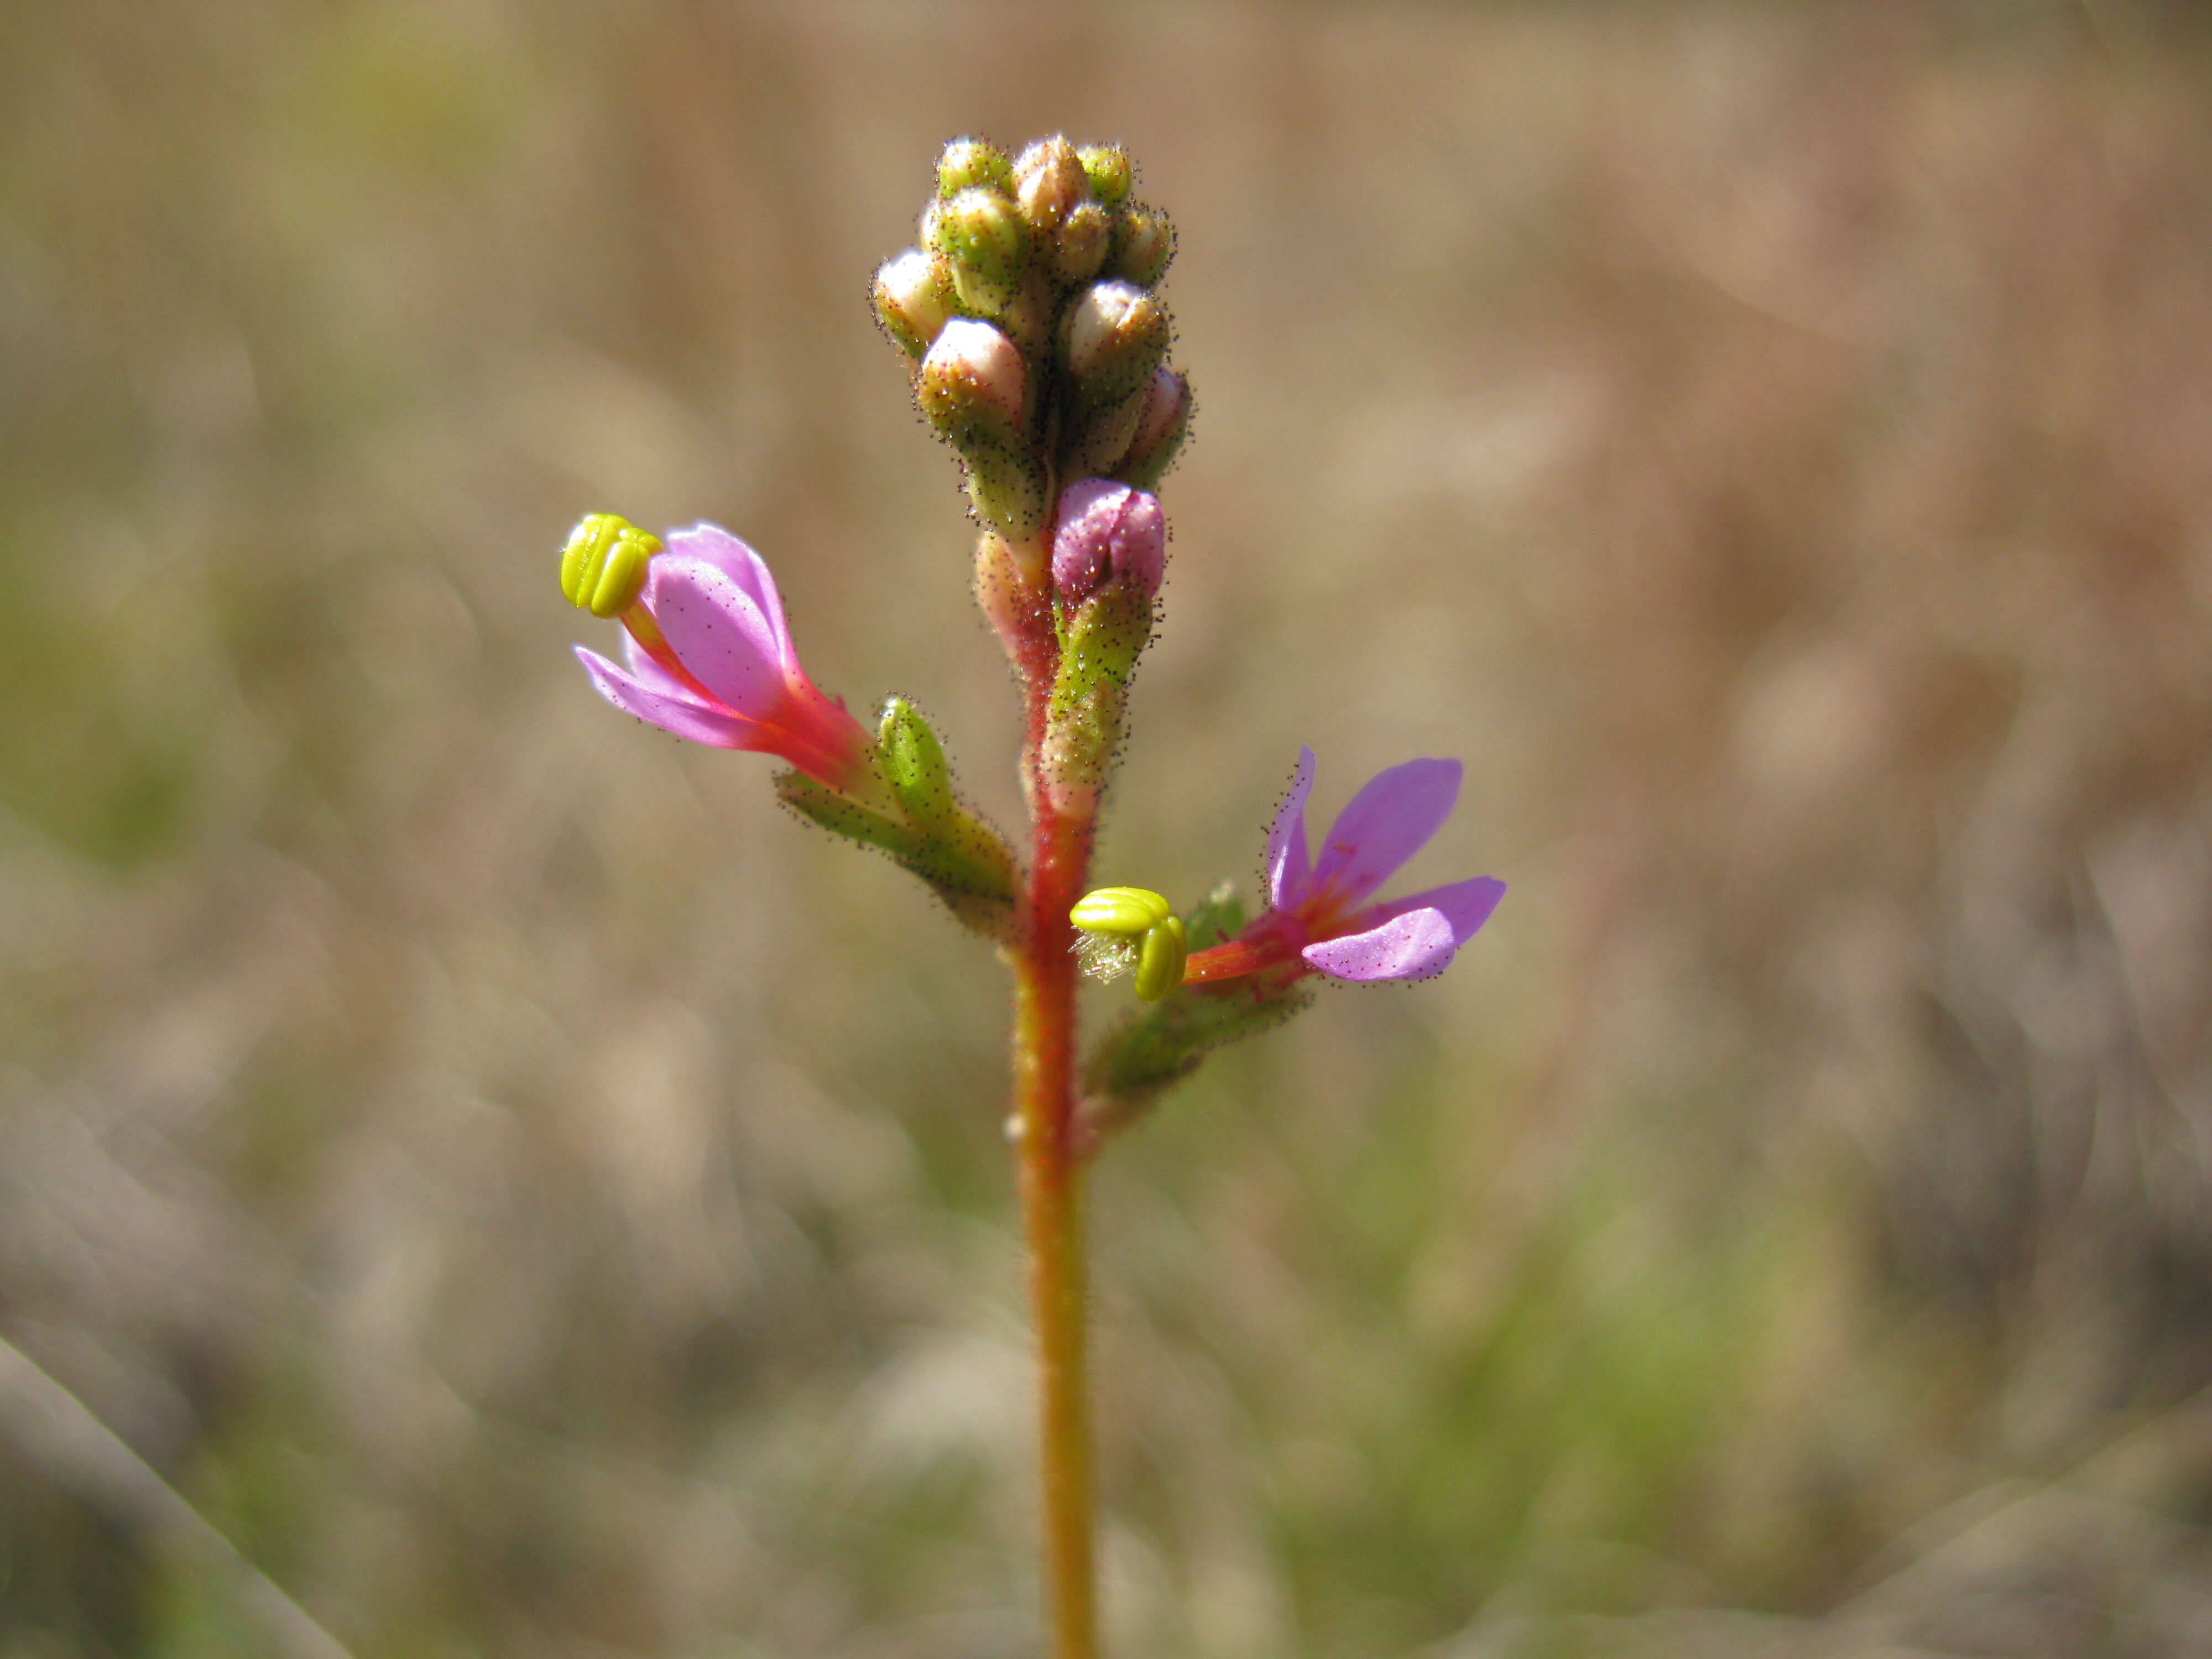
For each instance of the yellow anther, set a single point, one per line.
(603, 566)
(1160, 959)
(1123, 912)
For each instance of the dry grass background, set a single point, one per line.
(532, 1198)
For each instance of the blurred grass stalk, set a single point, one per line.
(79, 1452)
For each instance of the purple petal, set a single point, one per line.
(1387, 822)
(742, 566)
(1288, 873)
(685, 716)
(1415, 945)
(718, 631)
(1465, 904)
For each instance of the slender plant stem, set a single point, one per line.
(1052, 1186)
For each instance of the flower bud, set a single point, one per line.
(1080, 248)
(1107, 168)
(1097, 441)
(1114, 337)
(986, 243)
(914, 763)
(968, 161)
(1013, 588)
(973, 381)
(603, 565)
(1006, 489)
(1161, 427)
(913, 300)
(1107, 532)
(1144, 242)
(1049, 183)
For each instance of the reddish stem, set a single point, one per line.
(1051, 1167)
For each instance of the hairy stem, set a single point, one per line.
(1051, 1169)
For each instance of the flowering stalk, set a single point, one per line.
(1030, 318)
(1051, 1174)
(1044, 1127)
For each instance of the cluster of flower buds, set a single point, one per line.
(1040, 341)
(1040, 344)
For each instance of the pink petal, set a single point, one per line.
(685, 716)
(1415, 945)
(718, 631)
(1387, 822)
(1465, 904)
(1288, 873)
(650, 674)
(742, 566)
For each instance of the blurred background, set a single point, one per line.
(477, 1178)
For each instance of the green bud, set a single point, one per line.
(1048, 182)
(1160, 959)
(1080, 248)
(1127, 912)
(603, 565)
(987, 244)
(1100, 438)
(969, 161)
(1107, 168)
(1160, 430)
(914, 763)
(978, 295)
(1114, 337)
(1006, 488)
(913, 297)
(1144, 242)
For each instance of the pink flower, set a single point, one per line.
(710, 659)
(1319, 917)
